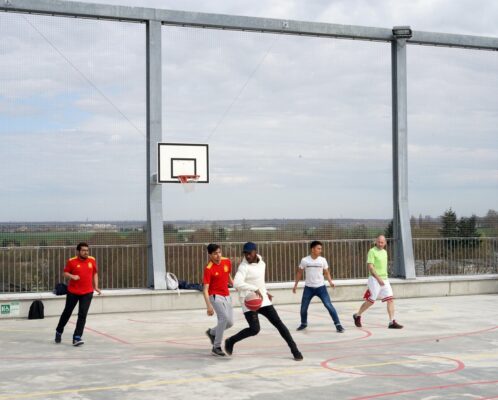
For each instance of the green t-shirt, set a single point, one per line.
(378, 258)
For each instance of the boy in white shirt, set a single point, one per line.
(316, 268)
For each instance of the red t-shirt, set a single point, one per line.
(216, 276)
(85, 269)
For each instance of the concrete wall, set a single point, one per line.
(130, 300)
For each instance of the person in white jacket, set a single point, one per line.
(250, 277)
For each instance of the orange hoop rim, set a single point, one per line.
(183, 179)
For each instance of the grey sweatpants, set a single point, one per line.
(223, 308)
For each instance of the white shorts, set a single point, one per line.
(375, 290)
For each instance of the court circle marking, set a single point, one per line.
(459, 365)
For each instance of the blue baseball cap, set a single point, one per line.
(248, 247)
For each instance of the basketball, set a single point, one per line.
(253, 301)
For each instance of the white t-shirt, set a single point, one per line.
(314, 270)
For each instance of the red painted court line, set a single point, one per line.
(301, 345)
(185, 340)
(469, 333)
(286, 351)
(327, 317)
(194, 356)
(459, 366)
(332, 346)
(367, 334)
(114, 338)
(399, 343)
(422, 389)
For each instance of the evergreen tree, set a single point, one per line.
(467, 227)
(449, 224)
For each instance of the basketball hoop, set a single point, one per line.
(188, 182)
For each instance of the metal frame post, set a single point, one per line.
(156, 261)
(404, 264)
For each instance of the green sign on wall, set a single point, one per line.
(9, 309)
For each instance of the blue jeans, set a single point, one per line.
(322, 293)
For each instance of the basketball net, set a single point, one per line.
(188, 182)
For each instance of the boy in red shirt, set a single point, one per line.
(217, 276)
(83, 280)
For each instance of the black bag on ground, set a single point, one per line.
(60, 289)
(36, 310)
(190, 286)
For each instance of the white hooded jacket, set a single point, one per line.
(249, 278)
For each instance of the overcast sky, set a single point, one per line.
(297, 127)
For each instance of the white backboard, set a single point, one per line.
(182, 159)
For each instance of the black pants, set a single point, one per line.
(271, 314)
(71, 301)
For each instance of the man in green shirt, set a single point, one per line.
(378, 283)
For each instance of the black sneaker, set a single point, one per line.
(297, 355)
(58, 337)
(228, 347)
(301, 327)
(395, 325)
(216, 351)
(211, 337)
(77, 341)
(357, 320)
(339, 329)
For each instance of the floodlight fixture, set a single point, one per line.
(402, 32)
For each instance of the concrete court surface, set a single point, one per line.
(448, 350)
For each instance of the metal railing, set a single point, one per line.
(346, 258)
(456, 256)
(38, 269)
